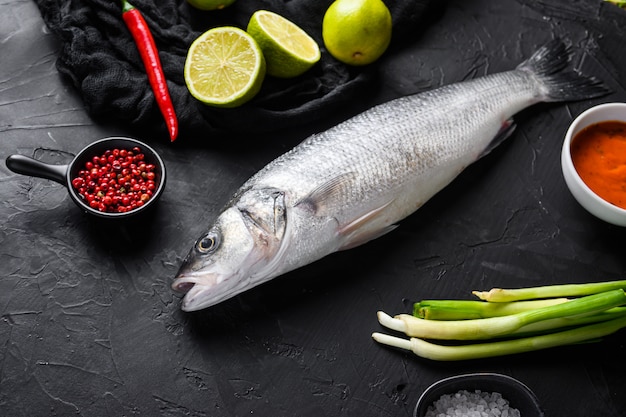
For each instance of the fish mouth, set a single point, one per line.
(197, 297)
(197, 289)
(206, 290)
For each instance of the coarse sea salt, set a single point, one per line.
(472, 404)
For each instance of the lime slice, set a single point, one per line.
(224, 67)
(288, 50)
(210, 4)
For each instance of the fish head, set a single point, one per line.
(239, 251)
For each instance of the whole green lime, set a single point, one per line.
(357, 32)
(210, 4)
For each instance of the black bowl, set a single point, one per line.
(64, 174)
(515, 392)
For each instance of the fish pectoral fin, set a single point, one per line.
(364, 228)
(362, 238)
(322, 199)
(506, 130)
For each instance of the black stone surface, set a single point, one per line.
(89, 325)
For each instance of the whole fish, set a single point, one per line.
(352, 183)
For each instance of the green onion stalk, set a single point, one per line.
(500, 295)
(472, 309)
(618, 3)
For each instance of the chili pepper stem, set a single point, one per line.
(126, 6)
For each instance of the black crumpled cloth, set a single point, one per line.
(99, 56)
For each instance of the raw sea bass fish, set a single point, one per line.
(352, 183)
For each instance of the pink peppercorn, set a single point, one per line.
(117, 181)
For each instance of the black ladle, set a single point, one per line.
(63, 174)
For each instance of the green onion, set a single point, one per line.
(474, 329)
(618, 3)
(550, 291)
(509, 321)
(471, 309)
(438, 352)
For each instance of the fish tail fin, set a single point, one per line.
(560, 82)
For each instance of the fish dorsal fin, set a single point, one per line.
(364, 228)
(322, 199)
(506, 130)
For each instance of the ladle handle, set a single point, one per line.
(25, 165)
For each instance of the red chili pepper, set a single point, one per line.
(150, 57)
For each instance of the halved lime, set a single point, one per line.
(225, 67)
(288, 50)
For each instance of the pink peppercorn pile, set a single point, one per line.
(117, 181)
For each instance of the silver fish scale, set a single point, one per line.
(391, 150)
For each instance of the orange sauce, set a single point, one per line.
(599, 155)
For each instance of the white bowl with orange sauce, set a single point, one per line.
(598, 185)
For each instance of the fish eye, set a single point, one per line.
(208, 243)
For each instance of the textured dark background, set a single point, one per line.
(90, 326)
